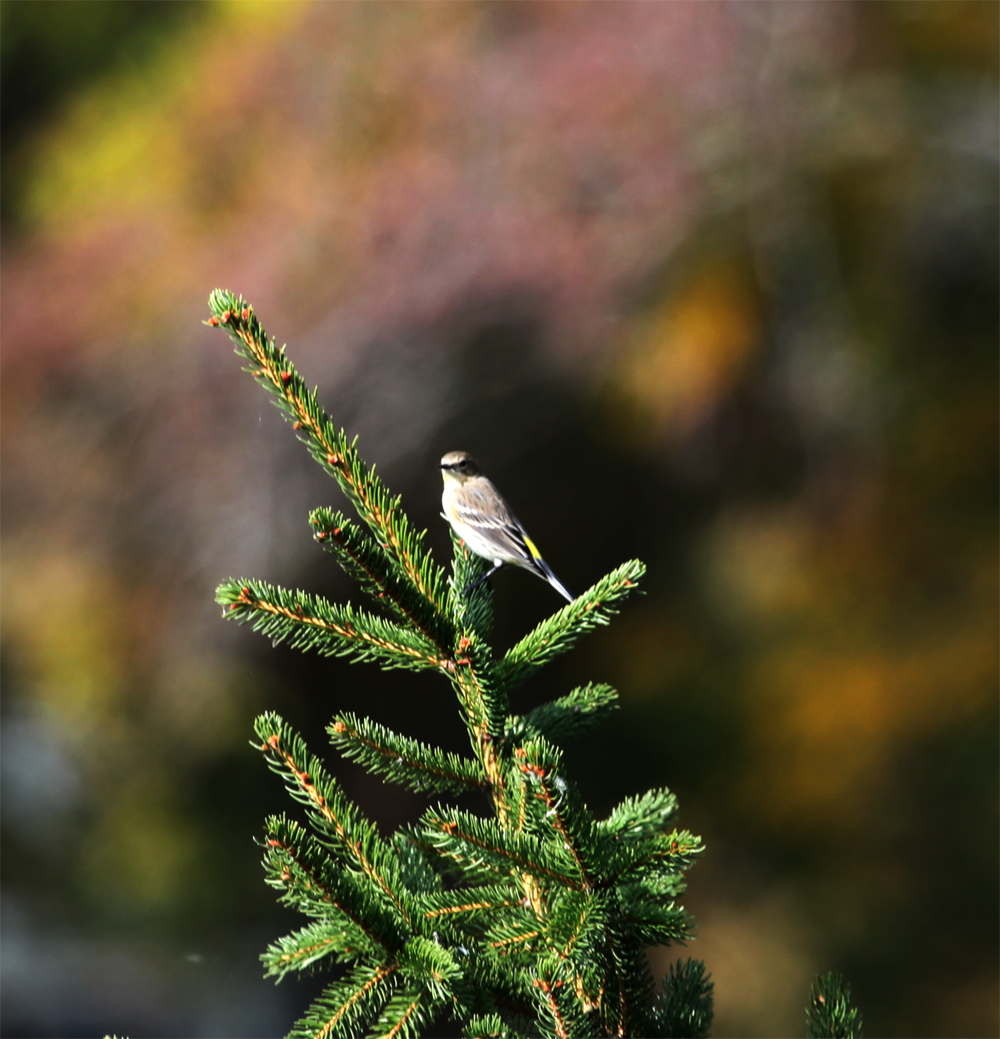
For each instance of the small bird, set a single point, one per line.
(484, 521)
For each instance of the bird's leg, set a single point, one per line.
(489, 573)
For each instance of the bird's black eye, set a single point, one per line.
(463, 464)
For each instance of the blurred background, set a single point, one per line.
(713, 284)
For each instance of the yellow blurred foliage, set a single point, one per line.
(141, 855)
(201, 700)
(827, 719)
(757, 564)
(656, 651)
(690, 350)
(960, 33)
(68, 628)
(125, 147)
(762, 957)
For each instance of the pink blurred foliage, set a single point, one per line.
(459, 153)
(360, 171)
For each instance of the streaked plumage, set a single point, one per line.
(484, 521)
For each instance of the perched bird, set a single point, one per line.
(484, 521)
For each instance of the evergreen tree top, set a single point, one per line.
(526, 917)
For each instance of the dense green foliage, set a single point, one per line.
(830, 1014)
(531, 918)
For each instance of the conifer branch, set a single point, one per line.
(302, 882)
(577, 916)
(368, 563)
(507, 934)
(490, 1027)
(540, 763)
(622, 1017)
(561, 631)
(666, 855)
(353, 836)
(310, 622)
(431, 962)
(303, 949)
(829, 1014)
(652, 924)
(684, 1003)
(299, 868)
(484, 707)
(416, 872)
(347, 1005)
(399, 1019)
(472, 674)
(484, 851)
(404, 760)
(479, 902)
(641, 817)
(471, 610)
(309, 784)
(553, 993)
(560, 719)
(328, 445)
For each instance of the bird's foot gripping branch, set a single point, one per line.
(529, 918)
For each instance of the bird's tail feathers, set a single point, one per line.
(546, 572)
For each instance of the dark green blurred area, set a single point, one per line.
(710, 285)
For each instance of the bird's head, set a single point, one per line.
(459, 466)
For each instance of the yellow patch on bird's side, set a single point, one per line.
(531, 548)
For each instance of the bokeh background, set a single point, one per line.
(710, 284)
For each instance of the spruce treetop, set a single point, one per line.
(528, 917)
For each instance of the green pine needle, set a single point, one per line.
(310, 622)
(309, 947)
(328, 444)
(374, 569)
(471, 607)
(346, 1006)
(298, 866)
(653, 860)
(330, 812)
(685, 1001)
(404, 760)
(576, 923)
(485, 852)
(490, 1027)
(408, 1013)
(481, 904)
(560, 632)
(566, 717)
(639, 817)
(561, 1009)
(829, 1014)
(651, 923)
